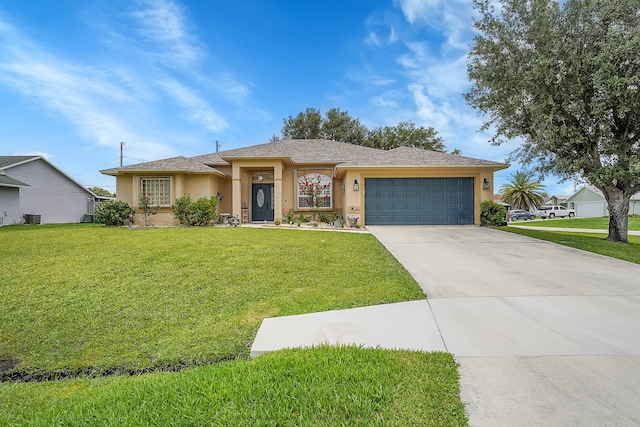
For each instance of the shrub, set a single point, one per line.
(492, 213)
(146, 209)
(301, 219)
(323, 217)
(180, 209)
(114, 213)
(288, 217)
(199, 212)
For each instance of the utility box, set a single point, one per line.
(31, 219)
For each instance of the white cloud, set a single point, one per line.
(198, 109)
(90, 99)
(382, 30)
(418, 10)
(163, 22)
(427, 109)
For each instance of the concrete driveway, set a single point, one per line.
(545, 335)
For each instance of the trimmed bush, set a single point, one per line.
(492, 213)
(195, 212)
(114, 213)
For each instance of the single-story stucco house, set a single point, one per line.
(590, 202)
(33, 190)
(260, 183)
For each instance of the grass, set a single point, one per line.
(81, 303)
(586, 241)
(593, 223)
(95, 300)
(303, 387)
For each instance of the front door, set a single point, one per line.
(262, 205)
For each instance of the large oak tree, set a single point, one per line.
(339, 126)
(565, 79)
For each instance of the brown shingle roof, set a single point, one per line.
(173, 164)
(303, 151)
(411, 156)
(311, 151)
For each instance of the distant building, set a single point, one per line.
(590, 202)
(33, 190)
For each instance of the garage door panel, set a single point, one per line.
(433, 201)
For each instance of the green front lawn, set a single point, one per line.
(586, 241)
(593, 223)
(96, 299)
(312, 387)
(91, 300)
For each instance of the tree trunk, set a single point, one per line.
(618, 203)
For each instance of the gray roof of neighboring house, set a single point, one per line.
(7, 181)
(9, 161)
(173, 164)
(596, 190)
(313, 151)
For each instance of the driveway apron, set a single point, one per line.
(545, 335)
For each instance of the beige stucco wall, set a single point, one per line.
(236, 192)
(196, 185)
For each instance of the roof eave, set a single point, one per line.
(117, 172)
(387, 166)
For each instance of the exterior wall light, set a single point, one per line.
(260, 178)
(219, 196)
(356, 186)
(485, 184)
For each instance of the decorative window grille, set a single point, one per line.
(158, 190)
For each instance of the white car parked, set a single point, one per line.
(554, 211)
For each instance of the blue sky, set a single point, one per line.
(170, 77)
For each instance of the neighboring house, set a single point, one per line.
(259, 183)
(555, 200)
(32, 186)
(590, 202)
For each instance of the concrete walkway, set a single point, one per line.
(545, 335)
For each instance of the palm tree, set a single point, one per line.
(522, 192)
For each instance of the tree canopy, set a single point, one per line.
(522, 191)
(340, 126)
(565, 80)
(98, 191)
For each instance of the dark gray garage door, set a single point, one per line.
(418, 201)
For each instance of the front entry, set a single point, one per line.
(262, 202)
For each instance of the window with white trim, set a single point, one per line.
(321, 189)
(158, 190)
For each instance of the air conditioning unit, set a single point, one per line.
(31, 218)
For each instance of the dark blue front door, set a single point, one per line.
(261, 205)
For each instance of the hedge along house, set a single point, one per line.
(260, 183)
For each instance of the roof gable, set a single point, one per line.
(8, 162)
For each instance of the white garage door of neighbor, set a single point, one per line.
(590, 209)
